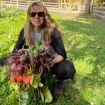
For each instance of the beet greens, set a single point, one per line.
(27, 67)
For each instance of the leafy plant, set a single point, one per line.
(30, 68)
(9, 11)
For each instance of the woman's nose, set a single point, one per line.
(36, 16)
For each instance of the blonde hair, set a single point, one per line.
(47, 27)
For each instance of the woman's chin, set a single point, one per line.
(37, 25)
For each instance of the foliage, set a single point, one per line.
(31, 68)
(9, 30)
(9, 11)
(84, 41)
(99, 1)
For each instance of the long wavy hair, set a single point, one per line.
(46, 29)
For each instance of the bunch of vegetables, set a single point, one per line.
(19, 68)
(28, 67)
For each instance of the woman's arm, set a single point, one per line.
(57, 44)
(20, 42)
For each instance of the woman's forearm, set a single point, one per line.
(57, 59)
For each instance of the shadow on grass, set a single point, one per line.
(84, 42)
(71, 96)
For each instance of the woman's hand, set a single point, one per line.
(50, 62)
(57, 59)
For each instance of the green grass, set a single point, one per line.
(84, 42)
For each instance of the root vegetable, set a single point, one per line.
(26, 79)
(23, 59)
(10, 61)
(19, 79)
(12, 78)
(13, 67)
(19, 70)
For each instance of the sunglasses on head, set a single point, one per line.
(33, 14)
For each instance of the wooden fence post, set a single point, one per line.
(17, 4)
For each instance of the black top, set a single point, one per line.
(56, 43)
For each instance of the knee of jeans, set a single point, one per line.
(69, 73)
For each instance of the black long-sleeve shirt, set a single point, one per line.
(56, 43)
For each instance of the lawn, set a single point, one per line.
(84, 42)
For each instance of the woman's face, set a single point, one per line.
(37, 16)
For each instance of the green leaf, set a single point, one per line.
(23, 98)
(47, 94)
(3, 73)
(13, 86)
(35, 80)
(38, 43)
(24, 95)
(42, 95)
(40, 84)
(14, 98)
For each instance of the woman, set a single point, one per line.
(40, 26)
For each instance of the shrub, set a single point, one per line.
(9, 11)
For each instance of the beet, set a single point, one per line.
(23, 59)
(26, 66)
(13, 67)
(16, 57)
(31, 57)
(10, 61)
(14, 54)
(19, 70)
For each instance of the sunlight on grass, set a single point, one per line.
(84, 42)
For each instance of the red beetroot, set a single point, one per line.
(31, 58)
(13, 67)
(10, 61)
(15, 57)
(26, 66)
(14, 54)
(19, 70)
(23, 59)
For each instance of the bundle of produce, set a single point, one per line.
(29, 67)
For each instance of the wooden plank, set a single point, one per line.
(50, 3)
(54, 6)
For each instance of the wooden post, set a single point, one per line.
(61, 5)
(102, 10)
(17, 4)
(10, 3)
(91, 9)
(69, 10)
(1, 3)
(66, 5)
(79, 6)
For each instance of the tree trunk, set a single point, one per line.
(87, 7)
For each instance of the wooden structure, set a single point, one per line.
(69, 6)
(98, 10)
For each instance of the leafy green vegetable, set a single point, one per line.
(47, 94)
(35, 80)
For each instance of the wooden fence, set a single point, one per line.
(98, 10)
(63, 7)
